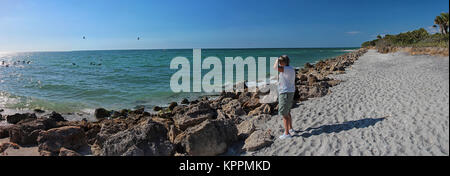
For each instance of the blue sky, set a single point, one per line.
(55, 25)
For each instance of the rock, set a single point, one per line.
(210, 138)
(14, 119)
(303, 78)
(253, 123)
(91, 132)
(269, 94)
(108, 129)
(184, 122)
(226, 101)
(180, 154)
(27, 131)
(7, 145)
(312, 79)
(221, 115)
(244, 97)
(263, 109)
(139, 111)
(233, 109)
(124, 112)
(194, 102)
(245, 128)
(216, 104)
(66, 152)
(173, 133)
(173, 105)
(194, 115)
(146, 139)
(308, 66)
(39, 111)
(185, 101)
(163, 121)
(179, 109)
(231, 95)
(333, 83)
(1, 110)
(251, 104)
(258, 140)
(70, 137)
(57, 117)
(157, 108)
(101, 113)
(4, 131)
(317, 91)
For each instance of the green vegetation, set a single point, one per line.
(443, 22)
(416, 38)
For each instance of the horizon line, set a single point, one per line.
(172, 49)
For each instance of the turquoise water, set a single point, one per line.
(84, 80)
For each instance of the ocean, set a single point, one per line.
(80, 81)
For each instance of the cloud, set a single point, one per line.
(432, 29)
(353, 32)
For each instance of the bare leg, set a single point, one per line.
(290, 122)
(286, 124)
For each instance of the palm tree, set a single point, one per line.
(438, 21)
(443, 22)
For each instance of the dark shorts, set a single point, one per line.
(285, 102)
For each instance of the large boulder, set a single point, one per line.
(233, 109)
(56, 117)
(312, 79)
(101, 113)
(263, 109)
(146, 139)
(251, 104)
(268, 93)
(173, 105)
(107, 129)
(210, 138)
(185, 101)
(69, 137)
(317, 91)
(194, 115)
(250, 125)
(27, 131)
(16, 118)
(258, 140)
(4, 131)
(67, 152)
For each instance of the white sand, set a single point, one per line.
(412, 92)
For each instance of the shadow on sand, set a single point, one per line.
(363, 123)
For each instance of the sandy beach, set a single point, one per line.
(388, 105)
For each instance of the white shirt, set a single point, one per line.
(286, 81)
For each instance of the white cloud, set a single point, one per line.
(432, 29)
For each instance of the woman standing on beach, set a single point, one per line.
(286, 89)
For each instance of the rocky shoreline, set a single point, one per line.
(203, 127)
